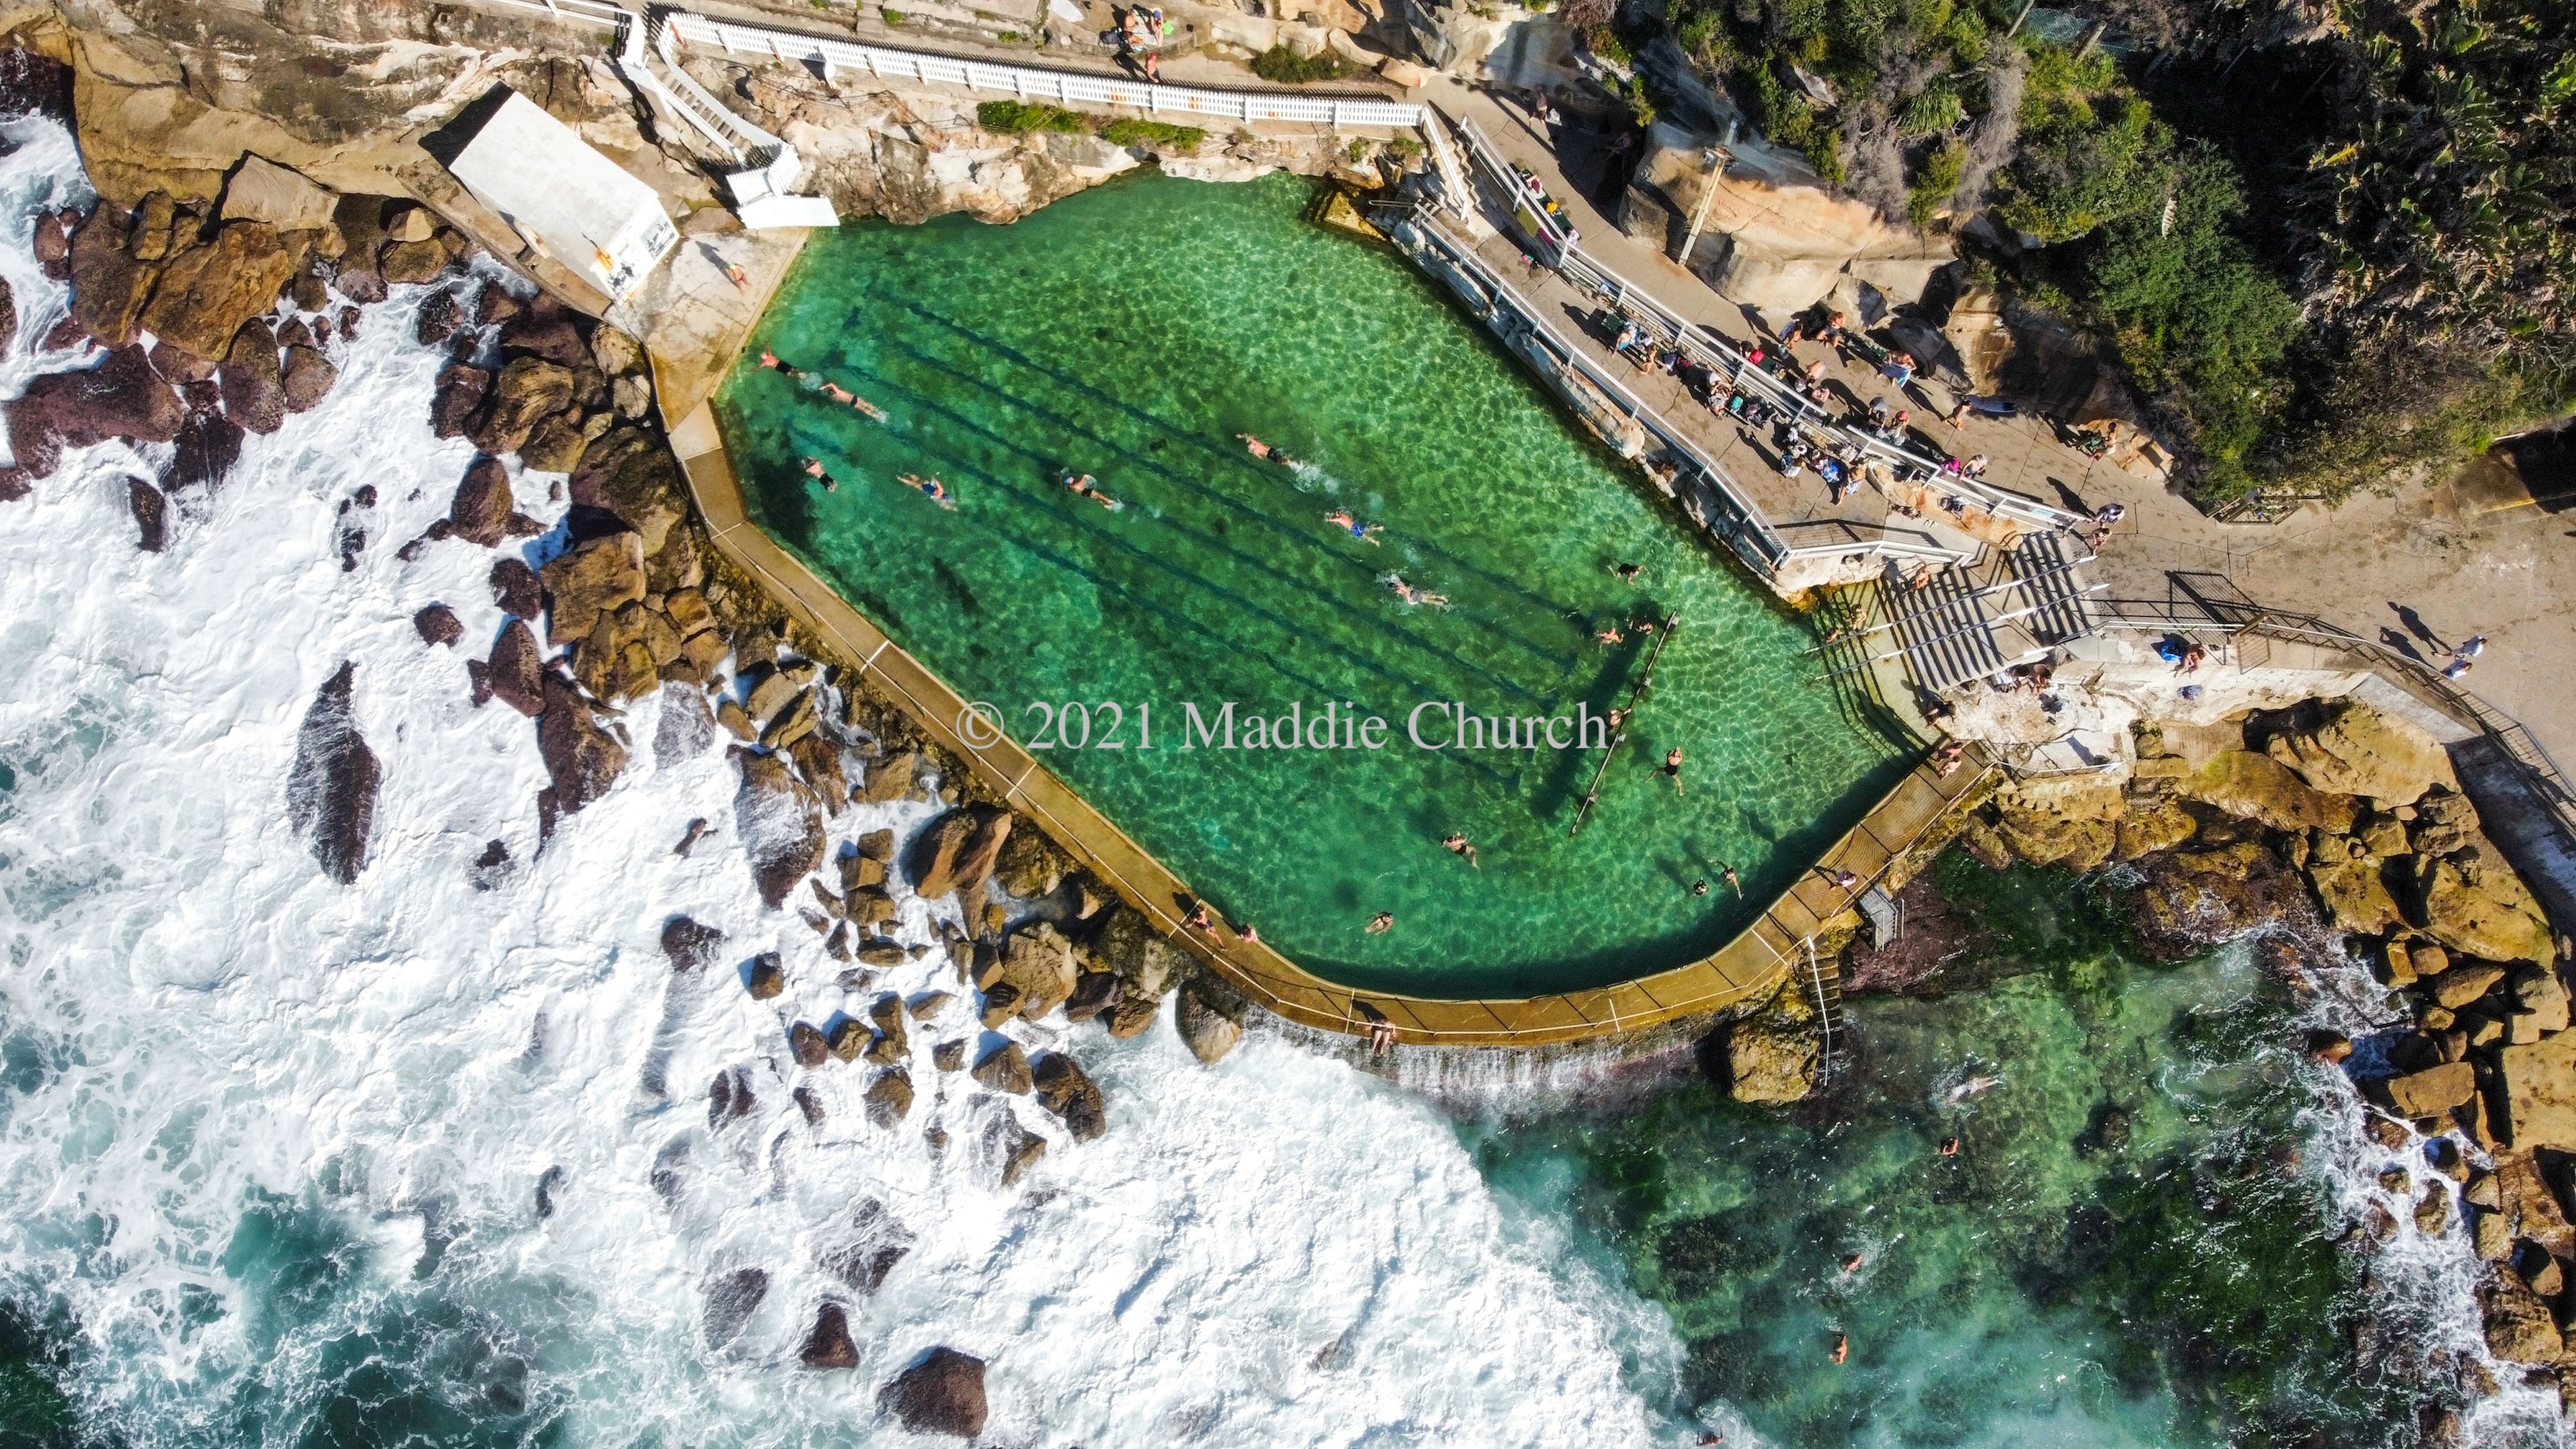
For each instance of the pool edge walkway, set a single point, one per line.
(1751, 964)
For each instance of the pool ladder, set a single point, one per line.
(1828, 984)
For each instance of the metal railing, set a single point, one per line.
(1719, 356)
(1031, 83)
(2194, 609)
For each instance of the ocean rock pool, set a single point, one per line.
(1131, 333)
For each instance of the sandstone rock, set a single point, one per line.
(545, 332)
(731, 1299)
(582, 759)
(1030, 865)
(309, 376)
(2048, 839)
(767, 977)
(2260, 788)
(949, 1056)
(829, 1345)
(819, 761)
(1093, 993)
(1771, 1056)
(515, 674)
(2194, 899)
(805, 1043)
(438, 624)
(2538, 991)
(631, 396)
(2492, 1238)
(2149, 828)
(2345, 747)
(53, 243)
(891, 1043)
(528, 391)
(689, 944)
(2465, 983)
(2433, 1212)
(2540, 1092)
(2519, 1328)
(554, 445)
(481, 507)
(1208, 1032)
(2355, 896)
(781, 832)
(1037, 963)
(254, 395)
(613, 351)
(207, 292)
(629, 471)
(2471, 901)
(2431, 1093)
(1003, 1069)
(516, 589)
(891, 778)
(603, 573)
(109, 283)
(936, 850)
(460, 395)
(1001, 1003)
(889, 1097)
(414, 262)
(331, 789)
(942, 1394)
(1064, 1089)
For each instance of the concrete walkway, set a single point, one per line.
(2430, 566)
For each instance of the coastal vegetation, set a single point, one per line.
(2324, 256)
(1281, 66)
(1020, 118)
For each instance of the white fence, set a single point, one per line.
(1028, 83)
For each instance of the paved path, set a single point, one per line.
(2432, 566)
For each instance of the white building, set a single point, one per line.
(569, 202)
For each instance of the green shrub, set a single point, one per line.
(890, 17)
(1404, 149)
(1014, 118)
(1281, 66)
(1604, 42)
(1935, 182)
(1129, 132)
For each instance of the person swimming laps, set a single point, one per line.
(816, 382)
(932, 488)
(1412, 595)
(814, 470)
(1086, 486)
(1364, 532)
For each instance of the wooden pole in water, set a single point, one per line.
(1635, 693)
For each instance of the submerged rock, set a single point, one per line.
(331, 791)
(889, 1097)
(2194, 899)
(942, 1394)
(829, 1345)
(438, 624)
(151, 515)
(781, 831)
(731, 1299)
(873, 1243)
(1064, 1089)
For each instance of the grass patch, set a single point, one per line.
(890, 17)
(1131, 132)
(1281, 66)
(1015, 118)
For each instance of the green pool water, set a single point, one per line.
(1131, 332)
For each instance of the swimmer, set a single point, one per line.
(1852, 1262)
(1381, 923)
(1611, 635)
(770, 359)
(838, 393)
(1842, 1347)
(1255, 446)
(1403, 590)
(1673, 767)
(1970, 1088)
(1086, 486)
(1618, 720)
(1726, 873)
(1248, 935)
(1364, 532)
(868, 409)
(1627, 572)
(814, 470)
(1949, 1147)
(1425, 596)
(1699, 887)
(1644, 626)
(1457, 845)
(932, 488)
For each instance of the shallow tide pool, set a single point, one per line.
(1132, 333)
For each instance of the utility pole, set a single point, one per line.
(1712, 160)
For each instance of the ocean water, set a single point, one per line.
(1132, 332)
(271, 1148)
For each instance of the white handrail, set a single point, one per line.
(1064, 88)
(1457, 190)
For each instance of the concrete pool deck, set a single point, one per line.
(1750, 966)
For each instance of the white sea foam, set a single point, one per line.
(251, 1113)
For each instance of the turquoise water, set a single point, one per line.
(1131, 332)
(2127, 1249)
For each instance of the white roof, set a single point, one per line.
(565, 198)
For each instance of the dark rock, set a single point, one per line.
(829, 1345)
(889, 1097)
(290, 333)
(309, 376)
(515, 675)
(528, 391)
(122, 397)
(461, 390)
(207, 447)
(549, 1184)
(516, 590)
(109, 283)
(9, 308)
(1066, 1090)
(2195, 899)
(781, 831)
(1003, 1069)
(549, 336)
(494, 304)
(348, 324)
(331, 790)
(254, 395)
(942, 1394)
(555, 445)
(53, 242)
(949, 1056)
(482, 503)
(872, 1245)
(437, 320)
(491, 867)
(698, 830)
(15, 483)
(179, 369)
(582, 758)
(729, 1096)
(34, 85)
(597, 575)
(309, 293)
(731, 1300)
(767, 978)
(809, 1102)
(151, 514)
(689, 944)
(438, 624)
